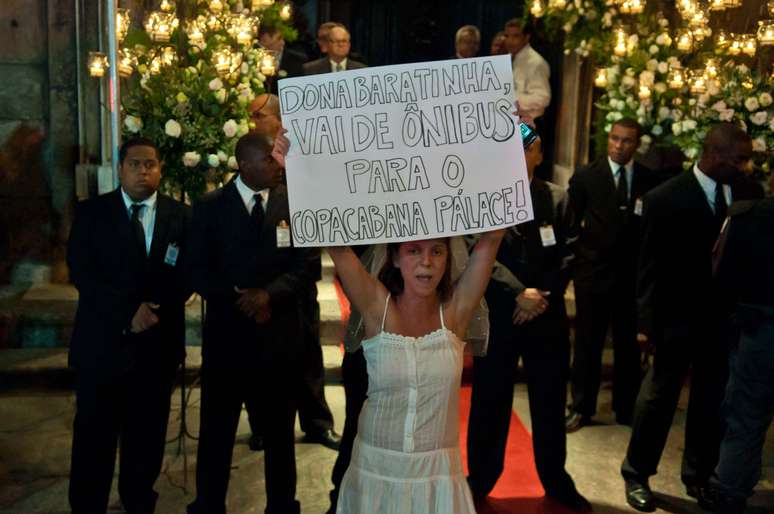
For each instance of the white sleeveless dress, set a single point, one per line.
(406, 456)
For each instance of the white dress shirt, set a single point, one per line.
(248, 197)
(629, 168)
(709, 186)
(530, 81)
(340, 66)
(147, 215)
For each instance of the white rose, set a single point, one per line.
(759, 144)
(653, 49)
(222, 157)
(646, 139)
(689, 125)
(726, 115)
(752, 104)
(282, 74)
(663, 113)
(713, 89)
(759, 118)
(657, 130)
(677, 129)
(230, 128)
(212, 160)
(652, 65)
(719, 106)
(634, 39)
(765, 99)
(661, 39)
(647, 78)
(660, 88)
(607, 19)
(191, 159)
(232, 163)
(744, 70)
(663, 22)
(617, 116)
(172, 128)
(704, 98)
(243, 128)
(567, 27)
(220, 95)
(216, 84)
(771, 124)
(628, 81)
(620, 104)
(692, 153)
(133, 124)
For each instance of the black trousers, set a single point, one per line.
(595, 313)
(544, 346)
(701, 348)
(354, 375)
(270, 385)
(127, 412)
(313, 411)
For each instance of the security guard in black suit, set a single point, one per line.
(533, 326)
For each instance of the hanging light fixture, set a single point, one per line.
(621, 37)
(644, 92)
(242, 28)
(766, 32)
(711, 68)
(160, 25)
(122, 23)
(698, 83)
(168, 55)
(537, 9)
(684, 40)
(195, 31)
(126, 63)
(749, 44)
(723, 40)
(676, 78)
(601, 78)
(735, 46)
(226, 61)
(268, 65)
(286, 12)
(98, 64)
(216, 6)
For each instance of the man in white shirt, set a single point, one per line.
(530, 71)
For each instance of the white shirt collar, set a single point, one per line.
(342, 65)
(247, 194)
(149, 202)
(709, 185)
(629, 166)
(523, 52)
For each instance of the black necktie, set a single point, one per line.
(721, 208)
(137, 229)
(623, 189)
(257, 213)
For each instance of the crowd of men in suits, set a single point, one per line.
(637, 245)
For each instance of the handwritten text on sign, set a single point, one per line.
(404, 152)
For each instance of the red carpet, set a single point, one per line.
(519, 489)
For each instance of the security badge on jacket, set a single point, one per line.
(283, 234)
(638, 207)
(547, 236)
(171, 256)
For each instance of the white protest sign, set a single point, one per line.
(404, 152)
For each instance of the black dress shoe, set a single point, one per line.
(575, 421)
(327, 438)
(571, 499)
(255, 442)
(708, 498)
(639, 496)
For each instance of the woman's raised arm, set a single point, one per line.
(472, 284)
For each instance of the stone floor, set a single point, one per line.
(35, 432)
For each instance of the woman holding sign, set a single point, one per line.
(406, 457)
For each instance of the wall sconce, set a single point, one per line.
(160, 25)
(126, 63)
(601, 79)
(766, 32)
(268, 66)
(226, 61)
(286, 12)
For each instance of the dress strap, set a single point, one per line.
(386, 304)
(443, 325)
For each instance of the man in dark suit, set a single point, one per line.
(607, 198)
(125, 255)
(538, 253)
(243, 263)
(682, 315)
(313, 410)
(337, 59)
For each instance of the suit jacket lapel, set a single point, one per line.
(606, 186)
(274, 211)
